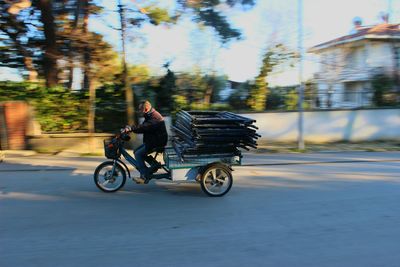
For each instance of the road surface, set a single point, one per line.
(324, 209)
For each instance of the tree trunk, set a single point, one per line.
(92, 107)
(209, 91)
(51, 52)
(71, 56)
(86, 53)
(77, 13)
(208, 94)
(70, 70)
(32, 73)
(129, 96)
(129, 101)
(92, 114)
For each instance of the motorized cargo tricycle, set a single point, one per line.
(213, 172)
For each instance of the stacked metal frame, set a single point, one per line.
(212, 133)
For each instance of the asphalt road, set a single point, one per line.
(326, 209)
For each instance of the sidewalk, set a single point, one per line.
(377, 146)
(19, 153)
(24, 160)
(254, 159)
(263, 148)
(28, 153)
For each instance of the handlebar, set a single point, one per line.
(123, 135)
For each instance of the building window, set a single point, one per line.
(350, 92)
(356, 58)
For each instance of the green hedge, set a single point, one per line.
(57, 109)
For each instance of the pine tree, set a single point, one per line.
(274, 56)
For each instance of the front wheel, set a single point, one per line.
(216, 180)
(109, 176)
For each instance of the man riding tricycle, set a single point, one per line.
(204, 149)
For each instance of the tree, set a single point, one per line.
(51, 52)
(276, 98)
(164, 100)
(274, 56)
(110, 96)
(207, 14)
(191, 89)
(383, 93)
(237, 100)
(204, 12)
(291, 96)
(47, 38)
(214, 86)
(40, 37)
(17, 50)
(74, 38)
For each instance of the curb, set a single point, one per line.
(316, 162)
(37, 170)
(21, 153)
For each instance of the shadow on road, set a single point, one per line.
(50, 183)
(41, 182)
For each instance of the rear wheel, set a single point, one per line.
(216, 180)
(109, 177)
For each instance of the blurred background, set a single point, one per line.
(81, 67)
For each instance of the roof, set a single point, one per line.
(380, 31)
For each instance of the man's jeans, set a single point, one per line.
(140, 155)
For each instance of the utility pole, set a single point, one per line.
(129, 97)
(300, 139)
(389, 11)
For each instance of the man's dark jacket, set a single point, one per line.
(153, 129)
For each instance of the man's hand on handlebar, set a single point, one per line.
(127, 129)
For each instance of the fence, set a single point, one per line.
(286, 99)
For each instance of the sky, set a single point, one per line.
(269, 22)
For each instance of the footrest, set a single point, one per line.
(161, 176)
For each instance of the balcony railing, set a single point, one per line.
(349, 74)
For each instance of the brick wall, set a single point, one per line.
(14, 120)
(3, 129)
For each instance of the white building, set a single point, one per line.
(348, 63)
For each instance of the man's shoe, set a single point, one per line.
(146, 179)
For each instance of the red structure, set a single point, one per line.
(14, 117)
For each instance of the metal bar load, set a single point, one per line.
(202, 133)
